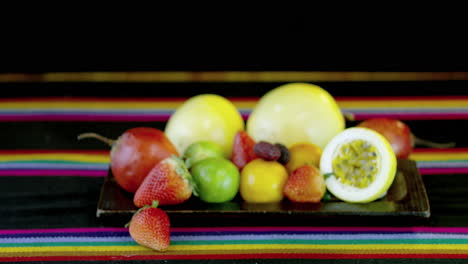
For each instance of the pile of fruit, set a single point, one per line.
(294, 146)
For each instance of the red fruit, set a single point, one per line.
(135, 153)
(150, 227)
(305, 184)
(396, 132)
(243, 150)
(400, 137)
(169, 182)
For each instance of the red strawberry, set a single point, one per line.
(305, 184)
(169, 182)
(243, 150)
(150, 227)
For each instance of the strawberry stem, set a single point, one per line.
(153, 205)
(108, 141)
(184, 172)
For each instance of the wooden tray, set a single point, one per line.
(405, 200)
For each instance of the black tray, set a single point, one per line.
(406, 201)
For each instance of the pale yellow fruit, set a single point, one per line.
(359, 165)
(205, 117)
(296, 112)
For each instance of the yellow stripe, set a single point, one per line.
(106, 158)
(175, 248)
(58, 156)
(89, 105)
(105, 105)
(232, 76)
(239, 104)
(438, 156)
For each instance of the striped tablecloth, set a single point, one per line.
(238, 243)
(189, 243)
(159, 109)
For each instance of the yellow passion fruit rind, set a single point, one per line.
(359, 165)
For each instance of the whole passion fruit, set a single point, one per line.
(296, 112)
(205, 117)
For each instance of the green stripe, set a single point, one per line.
(253, 242)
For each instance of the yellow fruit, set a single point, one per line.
(303, 154)
(296, 112)
(263, 181)
(205, 117)
(359, 165)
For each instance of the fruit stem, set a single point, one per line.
(108, 141)
(349, 116)
(154, 204)
(427, 143)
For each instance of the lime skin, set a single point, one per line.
(217, 180)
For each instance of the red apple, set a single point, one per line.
(135, 153)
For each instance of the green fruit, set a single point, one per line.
(359, 165)
(201, 150)
(296, 112)
(205, 117)
(217, 180)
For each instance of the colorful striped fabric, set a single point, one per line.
(238, 243)
(54, 163)
(96, 163)
(160, 109)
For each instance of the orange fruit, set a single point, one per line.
(302, 154)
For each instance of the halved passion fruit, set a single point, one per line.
(359, 165)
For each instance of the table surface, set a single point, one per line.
(50, 182)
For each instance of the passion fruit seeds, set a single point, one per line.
(356, 163)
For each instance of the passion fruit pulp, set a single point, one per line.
(360, 165)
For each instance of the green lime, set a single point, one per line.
(217, 180)
(201, 150)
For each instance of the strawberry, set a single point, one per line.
(169, 182)
(305, 184)
(243, 150)
(150, 227)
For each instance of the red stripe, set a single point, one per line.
(62, 230)
(324, 228)
(416, 229)
(432, 171)
(86, 118)
(434, 150)
(241, 256)
(399, 98)
(418, 116)
(36, 172)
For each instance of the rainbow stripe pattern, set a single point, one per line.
(238, 243)
(160, 109)
(95, 163)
